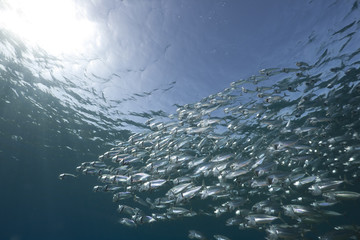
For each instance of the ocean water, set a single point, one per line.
(54, 116)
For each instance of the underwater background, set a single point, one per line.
(145, 60)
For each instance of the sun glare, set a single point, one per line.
(57, 26)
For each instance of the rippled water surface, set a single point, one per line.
(199, 117)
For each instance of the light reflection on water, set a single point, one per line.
(99, 94)
(131, 69)
(58, 27)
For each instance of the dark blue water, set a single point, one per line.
(45, 133)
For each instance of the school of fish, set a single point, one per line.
(279, 158)
(278, 152)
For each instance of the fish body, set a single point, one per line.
(62, 176)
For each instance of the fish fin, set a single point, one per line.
(280, 217)
(347, 181)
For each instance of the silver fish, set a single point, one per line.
(62, 176)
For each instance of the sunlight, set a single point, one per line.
(56, 26)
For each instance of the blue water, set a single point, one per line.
(52, 121)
